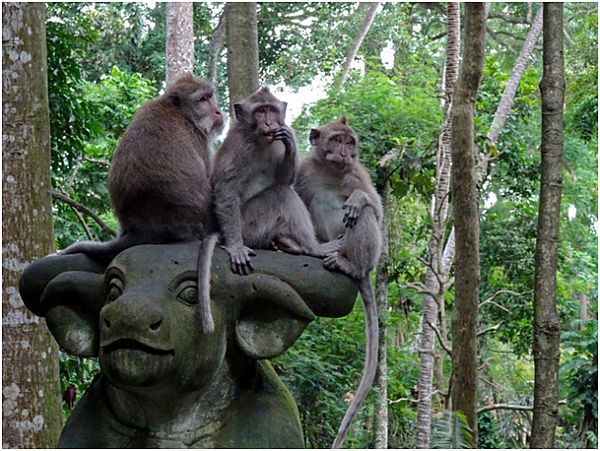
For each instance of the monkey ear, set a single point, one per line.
(239, 111)
(265, 89)
(283, 110)
(342, 120)
(314, 136)
(173, 99)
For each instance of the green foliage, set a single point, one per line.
(76, 372)
(579, 380)
(450, 430)
(324, 367)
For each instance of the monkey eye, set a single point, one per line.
(203, 99)
(188, 293)
(114, 289)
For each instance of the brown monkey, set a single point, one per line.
(339, 194)
(159, 179)
(252, 180)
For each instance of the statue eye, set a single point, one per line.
(188, 293)
(114, 289)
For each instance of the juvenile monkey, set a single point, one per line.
(159, 179)
(339, 194)
(252, 180)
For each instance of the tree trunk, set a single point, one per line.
(466, 218)
(381, 296)
(216, 45)
(242, 51)
(508, 95)
(32, 413)
(583, 309)
(546, 341)
(436, 270)
(180, 39)
(360, 36)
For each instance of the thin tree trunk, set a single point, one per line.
(583, 309)
(546, 341)
(381, 296)
(31, 409)
(466, 218)
(360, 36)
(436, 271)
(508, 95)
(242, 51)
(216, 45)
(180, 39)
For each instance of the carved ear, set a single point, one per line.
(342, 120)
(314, 136)
(272, 318)
(68, 290)
(73, 301)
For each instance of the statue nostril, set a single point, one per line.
(156, 325)
(106, 322)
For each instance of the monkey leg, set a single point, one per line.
(278, 215)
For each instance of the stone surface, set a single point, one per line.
(164, 383)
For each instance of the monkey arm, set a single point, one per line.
(286, 171)
(357, 201)
(228, 210)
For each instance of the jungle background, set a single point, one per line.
(105, 60)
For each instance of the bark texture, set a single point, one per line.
(31, 409)
(438, 268)
(466, 218)
(546, 341)
(180, 39)
(360, 36)
(242, 51)
(381, 297)
(216, 45)
(508, 95)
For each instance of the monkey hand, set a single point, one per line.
(331, 261)
(239, 258)
(285, 134)
(353, 206)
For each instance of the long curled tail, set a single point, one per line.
(104, 251)
(372, 340)
(205, 254)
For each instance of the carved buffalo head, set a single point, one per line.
(139, 314)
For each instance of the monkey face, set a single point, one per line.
(268, 121)
(336, 143)
(340, 149)
(195, 99)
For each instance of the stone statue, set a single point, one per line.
(165, 384)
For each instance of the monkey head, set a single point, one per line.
(262, 113)
(336, 144)
(195, 99)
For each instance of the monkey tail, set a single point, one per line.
(372, 340)
(205, 254)
(103, 251)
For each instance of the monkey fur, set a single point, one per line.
(159, 181)
(253, 173)
(340, 197)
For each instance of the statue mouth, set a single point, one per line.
(129, 344)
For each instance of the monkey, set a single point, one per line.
(341, 199)
(159, 179)
(252, 179)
